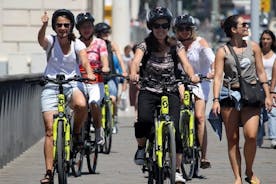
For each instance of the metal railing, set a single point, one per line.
(21, 123)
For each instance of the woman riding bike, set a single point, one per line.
(157, 59)
(63, 51)
(97, 56)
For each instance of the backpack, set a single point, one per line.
(174, 57)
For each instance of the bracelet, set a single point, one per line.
(272, 92)
(265, 83)
(215, 99)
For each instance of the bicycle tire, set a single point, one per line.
(77, 157)
(166, 174)
(91, 149)
(108, 129)
(189, 152)
(150, 164)
(61, 162)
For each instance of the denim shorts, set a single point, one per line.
(113, 87)
(49, 99)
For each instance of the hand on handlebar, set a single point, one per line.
(195, 79)
(134, 77)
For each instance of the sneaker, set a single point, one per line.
(115, 129)
(179, 178)
(100, 136)
(139, 157)
(273, 143)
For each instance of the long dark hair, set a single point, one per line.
(153, 44)
(273, 45)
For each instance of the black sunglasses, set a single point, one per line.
(66, 25)
(184, 28)
(245, 24)
(163, 26)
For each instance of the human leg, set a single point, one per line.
(78, 104)
(231, 119)
(48, 146)
(96, 95)
(250, 119)
(200, 107)
(113, 91)
(146, 105)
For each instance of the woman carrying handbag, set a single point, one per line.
(251, 68)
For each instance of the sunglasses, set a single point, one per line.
(163, 26)
(66, 25)
(245, 24)
(184, 28)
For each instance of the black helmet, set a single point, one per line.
(61, 12)
(102, 27)
(184, 20)
(158, 13)
(82, 17)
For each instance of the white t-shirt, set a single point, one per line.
(59, 63)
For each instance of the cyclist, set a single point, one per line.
(201, 57)
(103, 31)
(63, 50)
(157, 45)
(97, 56)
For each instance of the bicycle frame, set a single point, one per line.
(162, 120)
(187, 102)
(106, 101)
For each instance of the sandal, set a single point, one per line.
(204, 164)
(48, 178)
(253, 180)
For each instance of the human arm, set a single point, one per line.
(117, 51)
(262, 74)
(85, 64)
(134, 67)
(273, 82)
(42, 40)
(218, 76)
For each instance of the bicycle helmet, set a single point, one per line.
(184, 20)
(83, 17)
(102, 27)
(158, 13)
(63, 12)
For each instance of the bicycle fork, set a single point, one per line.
(60, 118)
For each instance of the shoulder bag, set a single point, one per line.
(251, 94)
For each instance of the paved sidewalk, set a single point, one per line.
(119, 168)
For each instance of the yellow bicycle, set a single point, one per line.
(160, 160)
(188, 131)
(62, 131)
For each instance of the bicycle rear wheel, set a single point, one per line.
(61, 161)
(166, 174)
(91, 148)
(189, 151)
(77, 157)
(108, 128)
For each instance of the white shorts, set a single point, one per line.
(95, 93)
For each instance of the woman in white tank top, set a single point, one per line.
(201, 57)
(268, 46)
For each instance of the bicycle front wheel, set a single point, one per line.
(61, 161)
(77, 157)
(167, 172)
(189, 159)
(91, 148)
